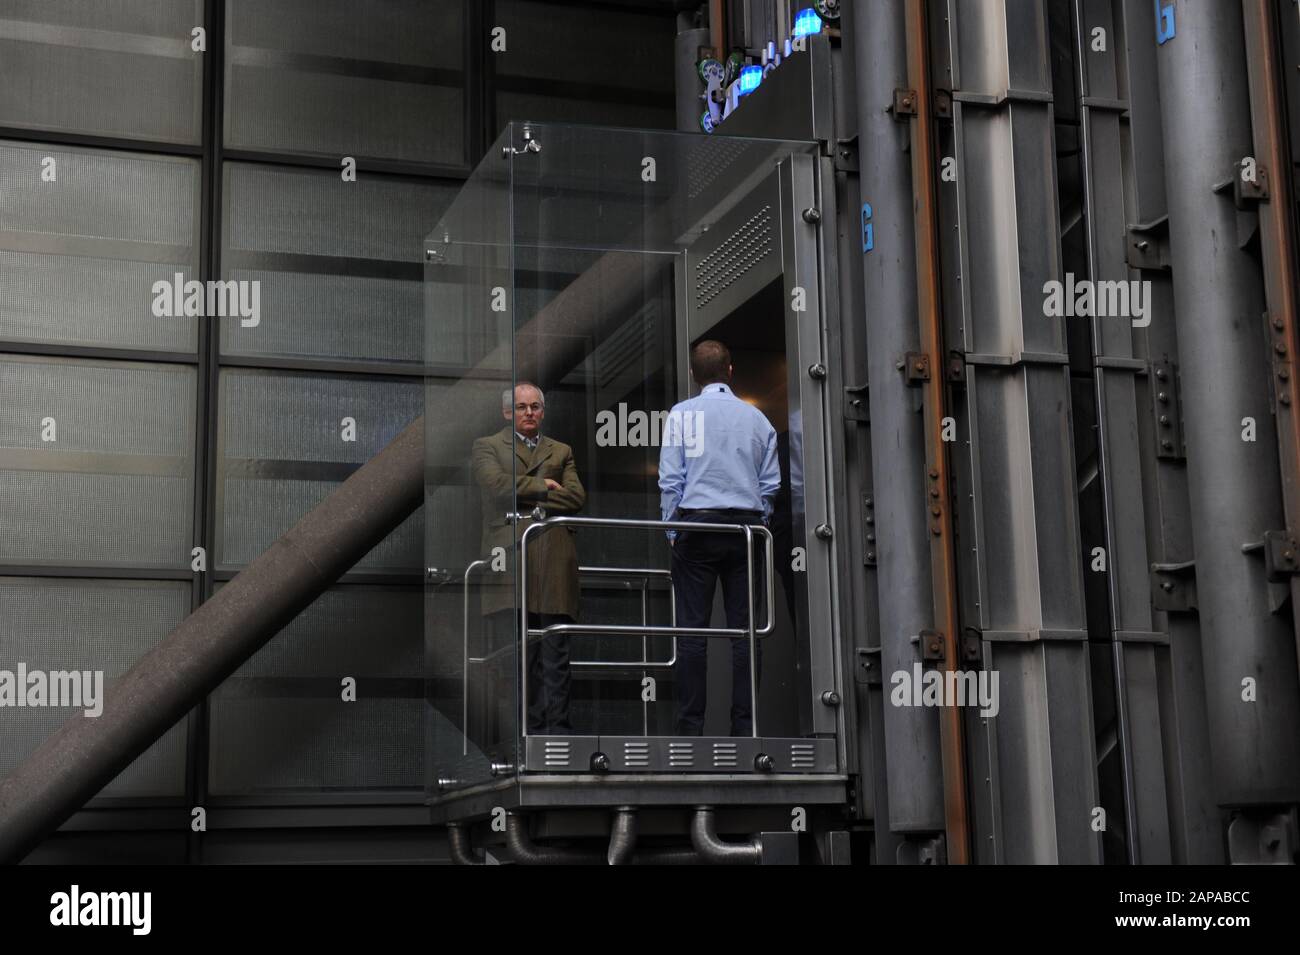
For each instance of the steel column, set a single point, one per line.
(1233, 483)
(1035, 779)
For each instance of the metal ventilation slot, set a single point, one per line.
(802, 756)
(747, 246)
(557, 754)
(725, 755)
(681, 755)
(636, 755)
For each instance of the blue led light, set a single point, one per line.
(750, 77)
(806, 22)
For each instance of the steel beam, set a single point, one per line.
(1034, 780)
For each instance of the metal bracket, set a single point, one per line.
(904, 103)
(845, 156)
(1281, 555)
(1148, 244)
(1280, 356)
(856, 406)
(972, 643)
(868, 672)
(1263, 839)
(868, 530)
(916, 367)
(922, 852)
(1173, 586)
(930, 644)
(943, 104)
(1167, 410)
(1245, 193)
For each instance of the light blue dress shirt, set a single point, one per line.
(717, 452)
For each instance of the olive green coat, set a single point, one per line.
(513, 478)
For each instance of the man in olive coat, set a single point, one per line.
(519, 469)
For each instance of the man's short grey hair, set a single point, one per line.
(508, 396)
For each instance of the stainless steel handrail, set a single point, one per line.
(747, 530)
(644, 573)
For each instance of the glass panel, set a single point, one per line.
(589, 240)
(468, 353)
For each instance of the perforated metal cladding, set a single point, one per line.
(329, 76)
(280, 721)
(329, 316)
(752, 242)
(280, 432)
(52, 624)
(87, 301)
(295, 110)
(99, 195)
(514, 105)
(541, 30)
(369, 218)
(285, 416)
(124, 68)
(396, 31)
(713, 158)
(116, 485)
(104, 407)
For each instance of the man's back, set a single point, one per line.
(717, 453)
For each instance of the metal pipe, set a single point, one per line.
(458, 843)
(1277, 250)
(85, 753)
(622, 838)
(898, 493)
(943, 574)
(1233, 483)
(526, 852)
(704, 837)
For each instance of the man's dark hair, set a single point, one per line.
(710, 362)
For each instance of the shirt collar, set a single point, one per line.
(715, 387)
(530, 443)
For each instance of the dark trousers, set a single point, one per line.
(548, 670)
(700, 560)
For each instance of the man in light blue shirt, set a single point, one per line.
(717, 464)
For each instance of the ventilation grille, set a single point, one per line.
(557, 755)
(802, 756)
(681, 755)
(725, 756)
(747, 246)
(636, 755)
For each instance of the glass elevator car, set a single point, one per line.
(587, 261)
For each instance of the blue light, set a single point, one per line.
(750, 77)
(806, 22)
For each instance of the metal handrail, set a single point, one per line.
(748, 530)
(645, 573)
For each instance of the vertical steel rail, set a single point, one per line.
(1128, 585)
(901, 534)
(1277, 250)
(1193, 822)
(943, 576)
(1233, 483)
(1038, 786)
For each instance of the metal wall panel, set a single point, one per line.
(333, 77)
(116, 484)
(72, 624)
(124, 69)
